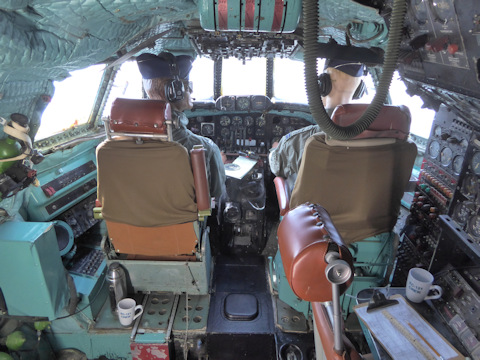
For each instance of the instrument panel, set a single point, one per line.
(252, 131)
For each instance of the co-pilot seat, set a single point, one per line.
(360, 182)
(154, 197)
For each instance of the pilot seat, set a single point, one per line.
(154, 198)
(360, 182)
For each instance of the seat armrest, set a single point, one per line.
(306, 235)
(202, 191)
(283, 194)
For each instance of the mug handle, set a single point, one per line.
(436, 296)
(138, 307)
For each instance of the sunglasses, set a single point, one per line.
(188, 85)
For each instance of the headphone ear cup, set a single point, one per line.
(174, 90)
(360, 90)
(324, 84)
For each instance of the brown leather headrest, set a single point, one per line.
(138, 116)
(305, 235)
(391, 122)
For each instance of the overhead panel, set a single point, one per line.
(279, 16)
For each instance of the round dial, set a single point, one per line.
(434, 149)
(249, 121)
(475, 163)
(463, 211)
(225, 120)
(200, 119)
(260, 121)
(470, 186)
(225, 132)
(260, 132)
(289, 129)
(207, 129)
(464, 143)
(237, 120)
(419, 8)
(285, 120)
(277, 130)
(442, 10)
(227, 102)
(457, 164)
(474, 226)
(243, 103)
(446, 156)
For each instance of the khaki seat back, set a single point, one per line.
(361, 181)
(146, 185)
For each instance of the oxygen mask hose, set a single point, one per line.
(310, 32)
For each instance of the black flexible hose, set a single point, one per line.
(310, 33)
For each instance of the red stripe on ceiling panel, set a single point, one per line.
(249, 14)
(223, 14)
(277, 15)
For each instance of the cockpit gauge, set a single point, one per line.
(237, 120)
(225, 120)
(200, 119)
(260, 132)
(207, 129)
(277, 130)
(470, 186)
(457, 164)
(260, 121)
(463, 211)
(438, 131)
(243, 103)
(446, 156)
(225, 103)
(474, 226)
(289, 129)
(464, 143)
(285, 120)
(225, 133)
(419, 9)
(442, 10)
(260, 102)
(434, 149)
(249, 121)
(475, 163)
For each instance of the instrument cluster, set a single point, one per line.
(252, 131)
(445, 157)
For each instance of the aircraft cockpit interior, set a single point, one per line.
(194, 180)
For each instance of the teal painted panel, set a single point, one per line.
(175, 276)
(285, 292)
(32, 278)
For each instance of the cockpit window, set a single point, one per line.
(127, 84)
(289, 81)
(422, 119)
(247, 78)
(202, 78)
(72, 102)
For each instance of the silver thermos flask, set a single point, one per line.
(117, 284)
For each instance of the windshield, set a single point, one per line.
(72, 102)
(75, 96)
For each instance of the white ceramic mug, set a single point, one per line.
(419, 284)
(128, 310)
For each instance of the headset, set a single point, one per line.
(325, 85)
(175, 89)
